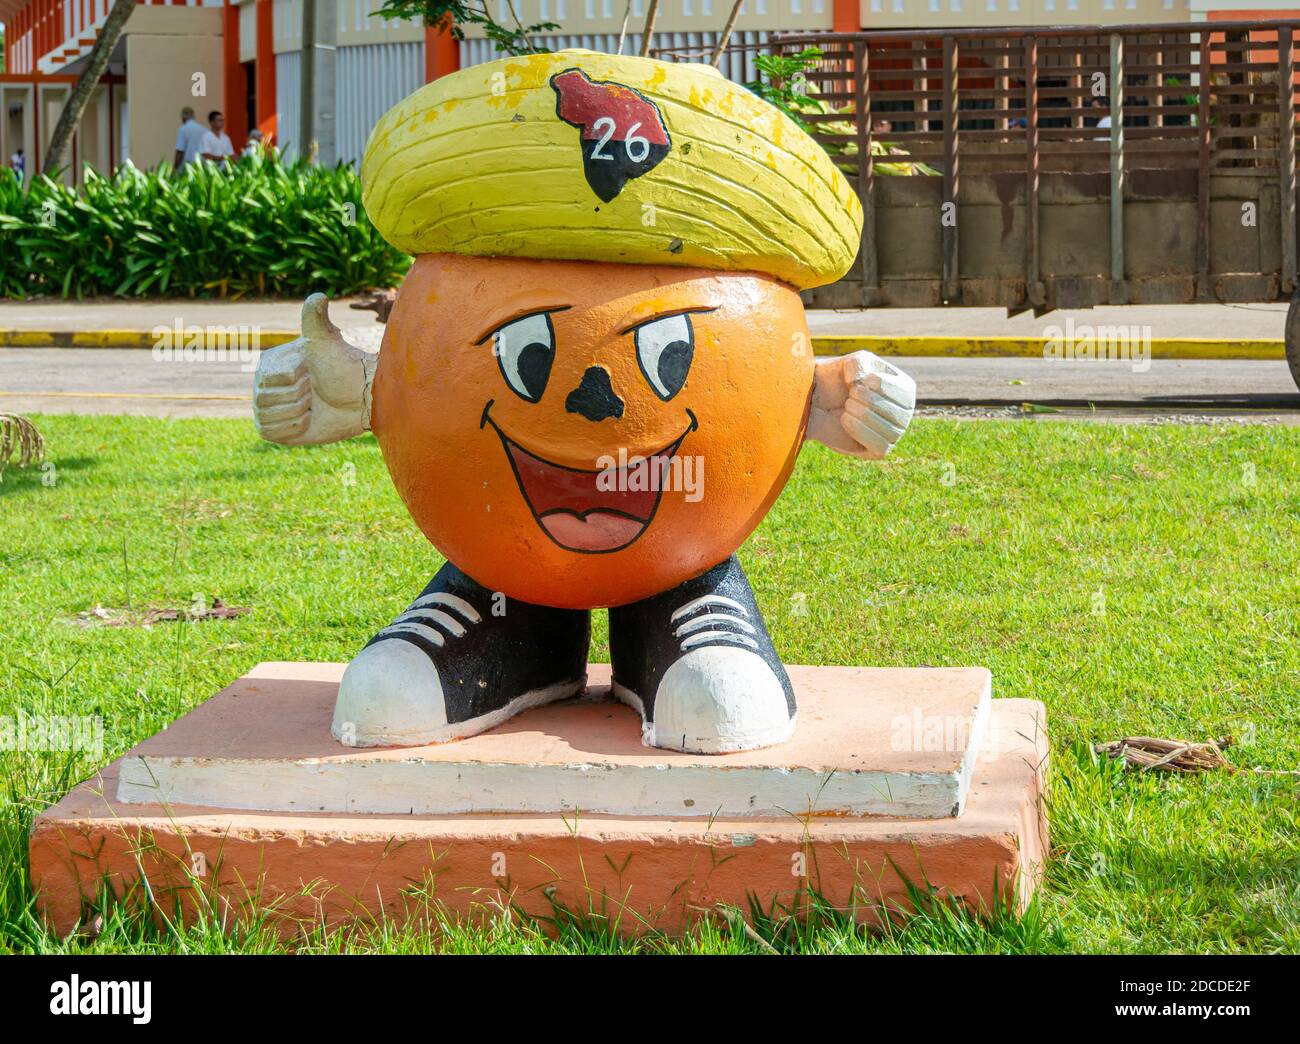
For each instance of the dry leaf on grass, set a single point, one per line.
(19, 439)
(1148, 752)
(101, 617)
(217, 611)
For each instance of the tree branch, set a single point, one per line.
(650, 17)
(75, 108)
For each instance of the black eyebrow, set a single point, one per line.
(515, 318)
(668, 315)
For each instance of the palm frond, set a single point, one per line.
(19, 438)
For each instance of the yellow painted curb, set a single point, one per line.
(1038, 347)
(129, 338)
(830, 344)
(118, 395)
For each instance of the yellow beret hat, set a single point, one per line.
(582, 155)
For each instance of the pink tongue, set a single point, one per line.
(597, 531)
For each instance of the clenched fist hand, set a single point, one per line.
(861, 404)
(315, 389)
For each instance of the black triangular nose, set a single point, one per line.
(594, 397)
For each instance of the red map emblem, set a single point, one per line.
(622, 133)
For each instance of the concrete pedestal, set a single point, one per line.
(913, 772)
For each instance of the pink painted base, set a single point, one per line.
(652, 873)
(898, 742)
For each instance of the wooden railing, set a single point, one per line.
(1189, 101)
(928, 93)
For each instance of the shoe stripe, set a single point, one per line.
(437, 616)
(428, 648)
(451, 601)
(427, 633)
(712, 618)
(708, 599)
(717, 636)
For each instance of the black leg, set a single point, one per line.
(699, 664)
(460, 660)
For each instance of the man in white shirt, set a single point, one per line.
(188, 137)
(1104, 123)
(215, 145)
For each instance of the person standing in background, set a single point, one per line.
(215, 144)
(188, 137)
(1103, 105)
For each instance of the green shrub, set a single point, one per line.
(260, 227)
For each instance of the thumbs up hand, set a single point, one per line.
(315, 389)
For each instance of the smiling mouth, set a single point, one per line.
(591, 512)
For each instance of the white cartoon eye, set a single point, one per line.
(664, 349)
(525, 350)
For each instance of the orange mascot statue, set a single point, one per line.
(594, 383)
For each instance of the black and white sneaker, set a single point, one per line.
(698, 664)
(459, 661)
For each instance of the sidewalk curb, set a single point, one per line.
(113, 338)
(823, 344)
(1037, 347)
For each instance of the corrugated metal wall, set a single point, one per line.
(371, 79)
(248, 32)
(737, 65)
(287, 96)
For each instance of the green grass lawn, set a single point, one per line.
(1139, 580)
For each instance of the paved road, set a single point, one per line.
(117, 380)
(116, 314)
(1163, 382)
(1262, 322)
(93, 380)
(1253, 321)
